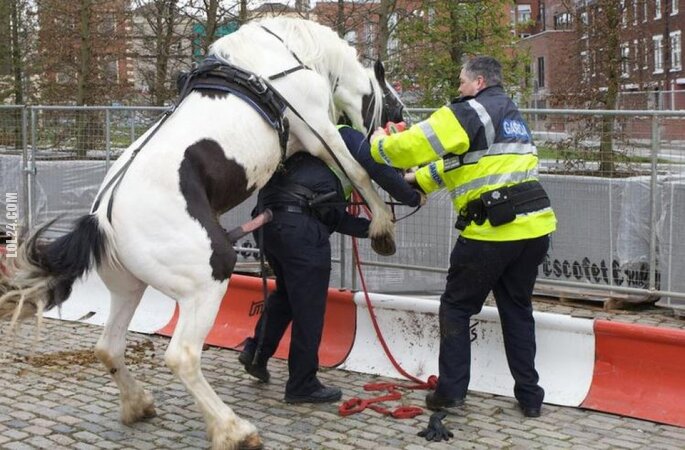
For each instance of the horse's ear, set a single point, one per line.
(379, 70)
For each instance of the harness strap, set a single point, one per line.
(287, 72)
(286, 46)
(313, 130)
(116, 179)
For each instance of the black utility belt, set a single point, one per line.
(500, 206)
(294, 209)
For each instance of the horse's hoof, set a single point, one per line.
(251, 442)
(384, 245)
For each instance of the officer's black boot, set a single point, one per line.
(258, 370)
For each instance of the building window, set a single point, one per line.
(625, 60)
(351, 37)
(523, 13)
(657, 9)
(636, 59)
(635, 9)
(645, 54)
(644, 10)
(541, 73)
(541, 16)
(393, 45)
(658, 54)
(585, 64)
(676, 61)
(674, 7)
(562, 21)
(624, 14)
(584, 24)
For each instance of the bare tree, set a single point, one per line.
(213, 19)
(434, 40)
(83, 48)
(17, 49)
(613, 55)
(162, 47)
(16, 45)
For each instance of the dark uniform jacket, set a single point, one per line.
(302, 170)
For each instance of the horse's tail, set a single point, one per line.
(42, 274)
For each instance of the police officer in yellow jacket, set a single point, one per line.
(480, 149)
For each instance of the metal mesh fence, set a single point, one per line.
(616, 181)
(70, 150)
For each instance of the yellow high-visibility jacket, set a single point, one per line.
(474, 145)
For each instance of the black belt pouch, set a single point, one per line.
(499, 207)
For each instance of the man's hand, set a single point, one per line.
(436, 431)
(395, 127)
(422, 197)
(410, 177)
(379, 133)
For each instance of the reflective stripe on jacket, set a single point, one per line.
(473, 146)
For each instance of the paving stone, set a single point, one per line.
(18, 446)
(619, 443)
(37, 430)
(40, 442)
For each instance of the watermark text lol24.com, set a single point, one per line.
(11, 224)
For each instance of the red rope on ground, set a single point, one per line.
(356, 404)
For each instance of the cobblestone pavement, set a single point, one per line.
(61, 398)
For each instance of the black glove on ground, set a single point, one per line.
(436, 431)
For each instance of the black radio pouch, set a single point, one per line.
(499, 206)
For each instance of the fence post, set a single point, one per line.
(131, 119)
(108, 144)
(25, 157)
(656, 144)
(30, 170)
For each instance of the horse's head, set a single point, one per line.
(392, 107)
(367, 105)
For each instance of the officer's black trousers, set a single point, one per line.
(509, 270)
(298, 249)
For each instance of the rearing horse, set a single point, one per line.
(158, 226)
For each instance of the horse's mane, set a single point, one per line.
(317, 46)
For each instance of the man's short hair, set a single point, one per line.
(487, 67)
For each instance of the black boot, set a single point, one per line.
(246, 357)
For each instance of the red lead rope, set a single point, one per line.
(355, 405)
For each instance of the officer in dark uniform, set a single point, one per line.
(296, 244)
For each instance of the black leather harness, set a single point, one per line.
(214, 74)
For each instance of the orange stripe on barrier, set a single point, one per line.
(243, 303)
(639, 372)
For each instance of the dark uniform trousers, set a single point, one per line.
(509, 270)
(298, 249)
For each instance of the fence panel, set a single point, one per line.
(12, 148)
(71, 150)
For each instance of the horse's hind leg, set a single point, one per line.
(126, 292)
(196, 317)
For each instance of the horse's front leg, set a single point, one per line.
(382, 229)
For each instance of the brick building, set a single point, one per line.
(567, 38)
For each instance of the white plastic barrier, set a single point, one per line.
(89, 303)
(565, 347)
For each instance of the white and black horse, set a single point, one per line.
(158, 224)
